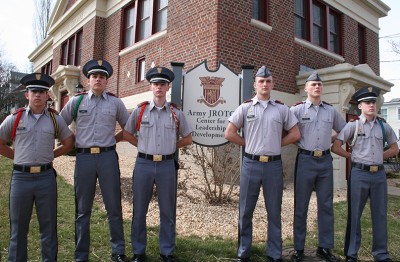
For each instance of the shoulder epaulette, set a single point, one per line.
(143, 103)
(298, 103)
(111, 94)
(381, 118)
(81, 93)
(354, 119)
(52, 110)
(174, 105)
(247, 101)
(326, 103)
(21, 109)
(279, 102)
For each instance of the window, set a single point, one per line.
(384, 113)
(71, 50)
(143, 20)
(361, 45)
(140, 69)
(47, 68)
(260, 10)
(398, 113)
(318, 23)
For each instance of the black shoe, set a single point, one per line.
(118, 258)
(326, 254)
(167, 258)
(351, 259)
(297, 256)
(243, 259)
(271, 259)
(139, 258)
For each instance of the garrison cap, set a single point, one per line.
(160, 74)
(263, 72)
(97, 67)
(369, 93)
(314, 77)
(37, 81)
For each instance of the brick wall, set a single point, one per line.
(216, 30)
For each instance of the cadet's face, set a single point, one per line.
(263, 86)
(98, 83)
(367, 107)
(159, 89)
(314, 88)
(37, 98)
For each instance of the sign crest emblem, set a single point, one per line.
(211, 90)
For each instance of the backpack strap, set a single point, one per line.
(19, 112)
(380, 121)
(78, 102)
(142, 108)
(172, 106)
(53, 112)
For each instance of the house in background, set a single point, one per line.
(391, 112)
(290, 37)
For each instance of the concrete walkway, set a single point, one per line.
(394, 191)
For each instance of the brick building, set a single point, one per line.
(291, 37)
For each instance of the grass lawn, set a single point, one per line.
(188, 248)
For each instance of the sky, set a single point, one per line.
(17, 41)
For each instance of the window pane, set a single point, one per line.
(162, 20)
(145, 22)
(129, 22)
(64, 54)
(317, 19)
(141, 68)
(144, 29)
(300, 19)
(162, 4)
(78, 48)
(318, 32)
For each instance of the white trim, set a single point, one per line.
(319, 49)
(143, 43)
(261, 25)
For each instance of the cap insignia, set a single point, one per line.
(100, 62)
(37, 76)
(159, 70)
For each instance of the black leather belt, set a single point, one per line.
(33, 169)
(316, 153)
(155, 158)
(95, 149)
(370, 168)
(263, 158)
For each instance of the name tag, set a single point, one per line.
(83, 111)
(305, 118)
(251, 116)
(21, 128)
(145, 122)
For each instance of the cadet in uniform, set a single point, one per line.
(33, 130)
(367, 136)
(96, 113)
(263, 119)
(314, 170)
(155, 127)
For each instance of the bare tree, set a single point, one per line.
(43, 9)
(395, 46)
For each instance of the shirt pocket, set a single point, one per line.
(47, 137)
(146, 127)
(83, 117)
(109, 115)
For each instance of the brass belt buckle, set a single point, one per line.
(317, 153)
(157, 158)
(95, 150)
(373, 169)
(264, 158)
(34, 169)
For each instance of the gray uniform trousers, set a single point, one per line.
(270, 177)
(28, 189)
(163, 175)
(89, 168)
(313, 173)
(361, 185)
